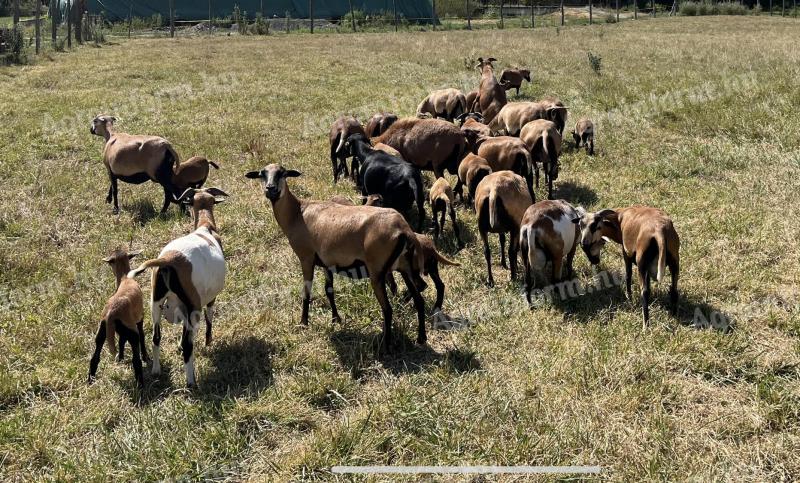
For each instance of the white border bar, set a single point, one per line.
(412, 470)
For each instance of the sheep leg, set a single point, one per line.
(536, 173)
(167, 200)
(433, 272)
(526, 265)
(210, 309)
(334, 160)
(378, 282)
(329, 293)
(354, 169)
(130, 336)
(187, 344)
(443, 220)
(121, 351)
(114, 192)
(570, 259)
(549, 187)
(308, 283)
(420, 212)
(513, 249)
(436, 228)
(455, 227)
(458, 190)
(503, 250)
(487, 253)
(557, 269)
(644, 279)
(673, 289)
(529, 182)
(419, 305)
(628, 273)
(99, 340)
(110, 195)
(391, 283)
(140, 329)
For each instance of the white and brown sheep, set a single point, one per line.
(648, 239)
(544, 142)
(135, 159)
(447, 104)
(547, 234)
(190, 274)
(354, 241)
(500, 202)
(122, 315)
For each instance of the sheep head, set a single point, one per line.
(596, 229)
(101, 125)
(273, 177)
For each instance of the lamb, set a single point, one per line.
(492, 95)
(470, 172)
(429, 144)
(548, 235)
(135, 159)
(189, 275)
(501, 152)
(123, 313)
(432, 258)
(354, 241)
(584, 133)
(514, 115)
(445, 103)
(500, 202)
(398, 182)
(379, 123)
(648, 238)
(544, 142)
(341, 129)
(512, 78)
(441, 198)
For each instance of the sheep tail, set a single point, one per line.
(528, 240)
(493, 209)
(549, 145)
(445, 261)
(662, 254)
(155, 262)
(341, 143)
(213, 164)
(176, 161)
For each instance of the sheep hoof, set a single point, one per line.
(208, 340)
(90, 381)
(490, 283)
(115, 211)
(336, 320)
(422, 342)
(156, 371)
(119, 358)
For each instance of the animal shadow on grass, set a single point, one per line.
(143, 211)
(697, 313)
(237, 368)
(584, 296)
(155, 387)
(575, 193)
(359, 351)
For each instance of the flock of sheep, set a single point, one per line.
(375, 240)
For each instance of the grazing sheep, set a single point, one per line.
(475, 116)
(492, 95)
(441, 198)
(514, 115)
(398, 182)
(500, 202)
(548, 235)
(648, 238)
(189, 275)
(341, 129)
(470, 172)
(584, 133)
(445, 103)
(501, 152)
(379, 123)
(135, 160)
(429, 144)
(512, 78)
(122, 314)
(432, 258)
(544, 142)
(354, 241)
(192, 173)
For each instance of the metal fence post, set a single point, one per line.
(617, 11)
(53, 24)
(533, 16)
(770, 8)
(469, 15)
(783, 9)
(352, 17)
(635, 10)
(653, 5)
(16, 13)
(433, 4)
(130, 20)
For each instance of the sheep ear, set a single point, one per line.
(187, 196)
(134, 254)
(109, 259)
(290, 173)
(576, 220)
(462, 117)
(255, 174)
(480, 59)
(491, 59)
(216, 192)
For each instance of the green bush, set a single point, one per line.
(691, 9)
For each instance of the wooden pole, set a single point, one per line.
(653, 6)
(433, 5)
(16, 13)
(394, 3)
(770, 8)
(469, 15)
(38, 28)
(311, 13)
(353, 17)
(53, 24)
(172, 18)
(130, 19)
(783, 9)
(635, 10)
(533, 16)
(501, 14)
(209, 17)
(69, 24)
(591, 20)
(562, 13)
(617, 11)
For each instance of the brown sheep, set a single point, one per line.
(354, 241)
(512, 78)
(441, 198)
(471, 171)
(122, 314)
(648, 238)
(430, 144)
(584, 133)
(341, 129)
(447, 104)
(192, 173)
(500, 202)
(379, 123)
(135, 159)
(514, 115)
(492, 95)
(544, 142)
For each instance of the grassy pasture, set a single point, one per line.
(704, 123)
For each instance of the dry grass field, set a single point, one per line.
(698, 116)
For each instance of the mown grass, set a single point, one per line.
(709, 130)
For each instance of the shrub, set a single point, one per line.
(611, 18)
(688, 9)
(596, 62)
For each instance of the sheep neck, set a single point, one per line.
(613, 232)
(121, 270)
(204, 217)
(286, 210)
(362, 150)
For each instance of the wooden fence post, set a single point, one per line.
(53, 24)
(130, 20)
(562, 13)
(352, 16)
(433, 20)
(16, 13)
(69, 24)
(783, 9)
(469, 15)
(38, 28)
(591, 20)
(533, 16)
(653, 6)
(311, 13)
(635, 10)
(172, 18)
(770, 8)
(617, 11)
(394, 3)
(501, 14)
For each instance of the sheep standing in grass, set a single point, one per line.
(512, 78)
(135, 160)
(548, 235)
(354, 241)
(648, 238)
(189, 275)
(122, 315)
(429, 144)
(341, 129)
(584, 134)
(544, 142)
(447, 104)
(379, 123)
(442, 199)
(192, 173)
(492, 95)
(470, 172)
